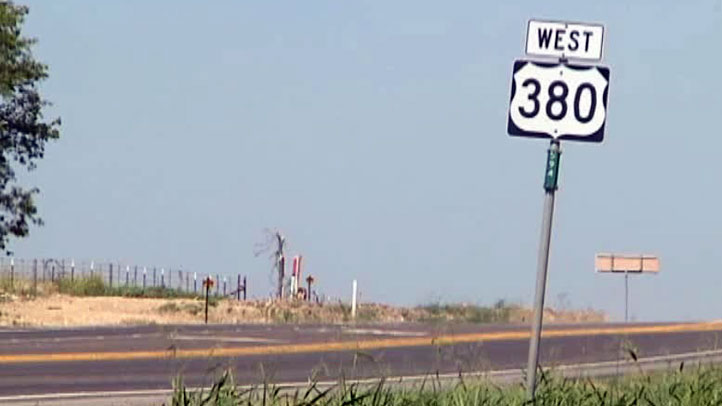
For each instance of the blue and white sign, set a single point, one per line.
(558, 100)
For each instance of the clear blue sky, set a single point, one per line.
(373, 134)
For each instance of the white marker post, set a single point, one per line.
(353, 299)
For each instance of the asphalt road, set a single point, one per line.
(60, 361)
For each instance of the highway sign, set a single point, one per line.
(558, 101)
(565, 40)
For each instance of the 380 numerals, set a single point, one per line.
(558, 92)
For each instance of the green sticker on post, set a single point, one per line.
(552, 172)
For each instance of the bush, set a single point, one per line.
(85, 286)
(90, 285)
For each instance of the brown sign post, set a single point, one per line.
(208, 284)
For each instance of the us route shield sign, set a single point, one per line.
(558, 100)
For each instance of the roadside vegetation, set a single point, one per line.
(84, 286)
(500, 312)
(700, 386)
(23, 300)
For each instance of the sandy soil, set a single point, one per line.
(62, 310)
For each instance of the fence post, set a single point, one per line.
(12, 274)
(127, 275)
(52, 273)
(162, 278)
(145, 272)
(354, 294)
(35, 277)
(195, 282)
(110, 280)
(224, 286)
(72, 270)
(238, 288)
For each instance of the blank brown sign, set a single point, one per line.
(626, 263)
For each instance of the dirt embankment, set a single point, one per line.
(62, 310)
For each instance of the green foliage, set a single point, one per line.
(222, 393)
(23, 132)
(86, 286)
(699, 387)
(95, 285)
(149, 292)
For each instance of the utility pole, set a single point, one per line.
(245, 288)
(280, 262)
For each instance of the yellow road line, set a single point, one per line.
(353, 345)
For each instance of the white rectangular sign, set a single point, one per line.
(565, 40)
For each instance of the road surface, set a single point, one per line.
(110, 359)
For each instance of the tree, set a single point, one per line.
(23, 130)
(277, 240)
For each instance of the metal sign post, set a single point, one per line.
(626, 296)
(550, 186)
(208, 284)
(556, 100)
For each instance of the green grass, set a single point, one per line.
(701, 386)
(87, 285)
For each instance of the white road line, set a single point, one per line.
(378, 332)
(503, 373)
(76, 338)
(227, 339)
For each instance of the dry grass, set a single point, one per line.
(63, 310)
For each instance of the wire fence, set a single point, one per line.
(118, 275)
